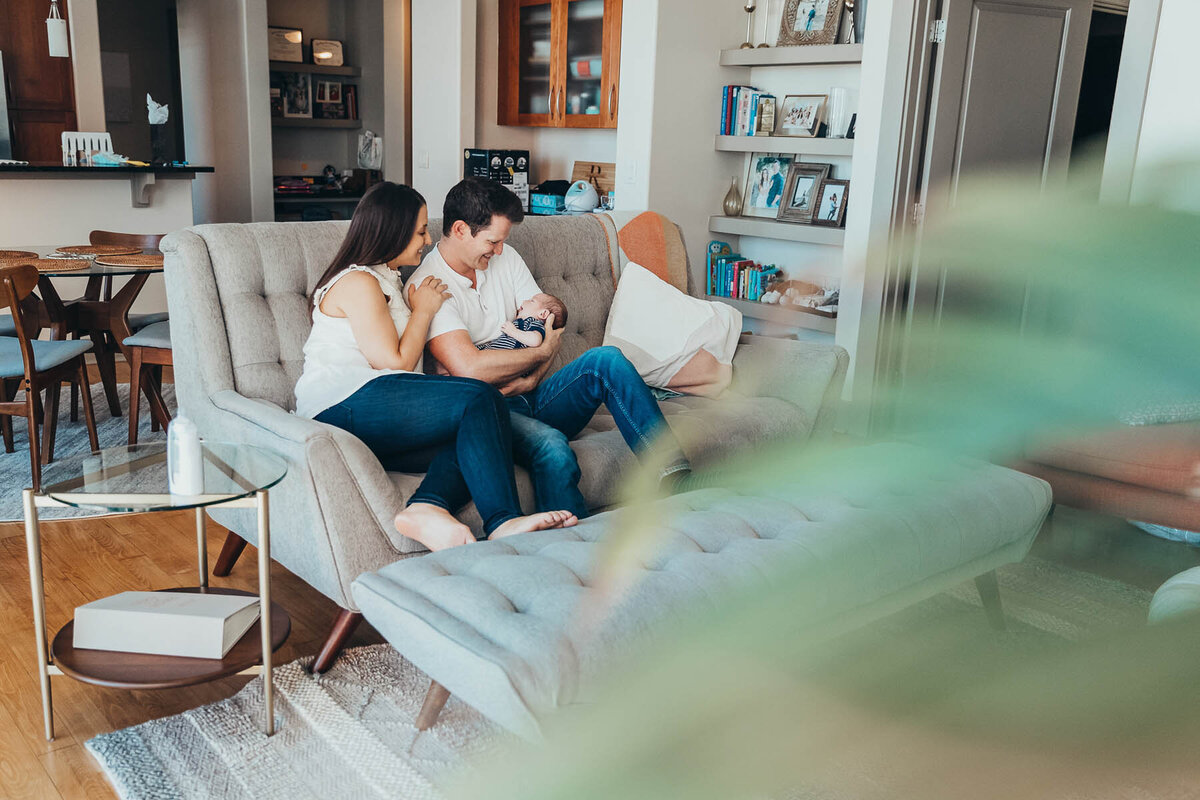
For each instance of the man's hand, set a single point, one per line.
(552, 340)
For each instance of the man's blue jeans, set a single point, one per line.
(544, 420)
(456, 430)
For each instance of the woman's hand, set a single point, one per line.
(429, 296)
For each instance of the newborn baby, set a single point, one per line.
(529, 328)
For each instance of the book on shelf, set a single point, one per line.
(744, 112)
(187, 624)
(734, 276)
(350, 98)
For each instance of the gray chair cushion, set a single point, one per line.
(46, 355)
(156, 335)
(492, 621)
(139, 321)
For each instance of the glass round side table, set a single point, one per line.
(134, 479)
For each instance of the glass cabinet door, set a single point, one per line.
(534, 59)
(585, 78)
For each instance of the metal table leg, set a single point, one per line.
(33, 546)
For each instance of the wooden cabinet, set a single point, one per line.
(560, 63)
(41, 99)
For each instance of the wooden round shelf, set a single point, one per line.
(143, 671)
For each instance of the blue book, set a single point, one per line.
(724, 108)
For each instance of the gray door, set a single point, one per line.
(1003, 96)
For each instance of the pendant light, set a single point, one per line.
(56, 32)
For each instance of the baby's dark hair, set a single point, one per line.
(558, 309)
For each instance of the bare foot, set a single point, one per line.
(432, 526)
(535, 522)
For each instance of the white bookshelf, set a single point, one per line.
(771, 229)
(789, 316)
(784, 144)
(792, 56)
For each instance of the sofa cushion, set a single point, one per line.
(492, 622)
(264, 272)
(1162, 457)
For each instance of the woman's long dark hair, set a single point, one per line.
(382, 227)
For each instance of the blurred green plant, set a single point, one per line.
(1057, 315)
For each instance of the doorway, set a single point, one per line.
(1001, 87)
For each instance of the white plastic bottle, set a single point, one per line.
(185, 462)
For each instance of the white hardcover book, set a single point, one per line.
(186, 624)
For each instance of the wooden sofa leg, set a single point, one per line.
(435, 701)
(230, 551)
(989, 593)
(343, 627)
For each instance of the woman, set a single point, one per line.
(362, 373)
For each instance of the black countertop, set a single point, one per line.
(59, 169)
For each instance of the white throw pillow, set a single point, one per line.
(661, 331)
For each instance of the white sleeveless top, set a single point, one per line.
(334, 366)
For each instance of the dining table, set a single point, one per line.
(98, 313)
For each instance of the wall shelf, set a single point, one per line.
(770, 229)
(301, 122)
(319, 69)
(800, 54)
(790, 316)
(784, 144)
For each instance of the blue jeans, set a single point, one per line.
(456, 430)
(544, 421)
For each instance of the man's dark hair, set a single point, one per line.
(558, 309)
(475, 201)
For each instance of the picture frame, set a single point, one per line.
(831, 205)
(296, 88)
(802, 191)
(801, 115)
(329, 92)
(810, 22)
(285, 44)
(327, 52)
(765, 180)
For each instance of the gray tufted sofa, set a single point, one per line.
(881, 527)
(237, 295)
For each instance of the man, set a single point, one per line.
(487, 282)
(776, 192)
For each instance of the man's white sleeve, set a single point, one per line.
(447, 319)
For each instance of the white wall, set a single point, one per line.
(670, 94)
(443, 94)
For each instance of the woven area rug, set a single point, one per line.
(350, 733)
(71, 440)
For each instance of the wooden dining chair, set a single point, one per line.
(105, 347)
(149, 350)
(38, 365)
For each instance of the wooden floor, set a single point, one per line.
(85, 560)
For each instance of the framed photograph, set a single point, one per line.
(810, 22)
(831, 205)
(764, 184)
(801, 190)
(285, 44)
(297, 94)
(801, 115)
(327, 52)
(329, 91)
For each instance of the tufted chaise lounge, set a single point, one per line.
(880, 528)
(238, 297)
